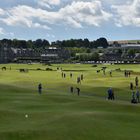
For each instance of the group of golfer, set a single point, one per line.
(135, 94)
(72, 90)
(110, 91)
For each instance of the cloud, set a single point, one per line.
(11, 34)
(2, 31)
(38, 25)
(77, 14)
(2, 12)
(127, 14)
(50, 35)
(48, 3)
(114, 2)
(23, 16)
(89, 13)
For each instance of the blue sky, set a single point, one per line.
(66, 19)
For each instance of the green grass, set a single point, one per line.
(58, 115)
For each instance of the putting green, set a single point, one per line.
(59, 115)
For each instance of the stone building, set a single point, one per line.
(6, 54)
(52, 54)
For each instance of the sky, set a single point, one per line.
(65, 19)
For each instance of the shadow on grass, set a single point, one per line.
(14, 89)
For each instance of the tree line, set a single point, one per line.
(15, 43)
(43, 43)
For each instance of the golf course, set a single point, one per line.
(58, 114)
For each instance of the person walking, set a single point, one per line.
(82, 77)
(112, 95)
(109, 91)
(131, 86)
(133, 98)
(78, 91)
(137, 96)
(129, 73)
(110, 73)
(40, 88)
(104, 71)
(136, 82)
(71, 89)
(78, 80)
(71, 75)
(62, 74)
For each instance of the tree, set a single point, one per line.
(119, 51)
(95, 56)
(86, 43)
(88, 51)
(131, 52)
(101, 42)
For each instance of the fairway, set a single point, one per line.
(57, 114)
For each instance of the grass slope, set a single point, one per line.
(58, 115)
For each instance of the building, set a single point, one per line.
(111, 57)
(54, 54)
(131, 46)
(6, 54)
(22, 55)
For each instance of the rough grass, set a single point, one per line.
(58, 115)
